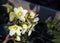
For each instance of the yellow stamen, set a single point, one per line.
(19, 14)
(15, 27)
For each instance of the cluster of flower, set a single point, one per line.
(26, 20)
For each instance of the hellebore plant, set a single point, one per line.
(22, 23)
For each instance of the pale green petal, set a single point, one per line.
(10, 27)
(17, 38)
(11, 16)
(24, 28)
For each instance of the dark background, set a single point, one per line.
(54, 4)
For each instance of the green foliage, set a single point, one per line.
(51, 23)
(57, 37)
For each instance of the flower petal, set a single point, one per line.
(24, 12)
(32, 14)
(22, 19)
(16, 10)
(17, 38)
(18, 32)
(12, 32)
(24, 26)
(29, 33)
(23, 32)
(29, 25)
(36, 19)
(20, 8)
(19, 27)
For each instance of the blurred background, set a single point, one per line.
(54, 4)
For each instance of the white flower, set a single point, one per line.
(24, 28)
(36, 19)
(17, 38)
(20, 13)
(14, 29)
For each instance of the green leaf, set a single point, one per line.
(9, 7)
(11, 16)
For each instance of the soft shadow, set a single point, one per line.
(3, 15)
(3, 1)
(3, 20)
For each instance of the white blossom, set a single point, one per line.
(14, 29)
(20, 13)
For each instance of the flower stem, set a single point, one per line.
(6, 39)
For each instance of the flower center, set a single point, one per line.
(19, 14)
(15, 27)
(29, 16)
